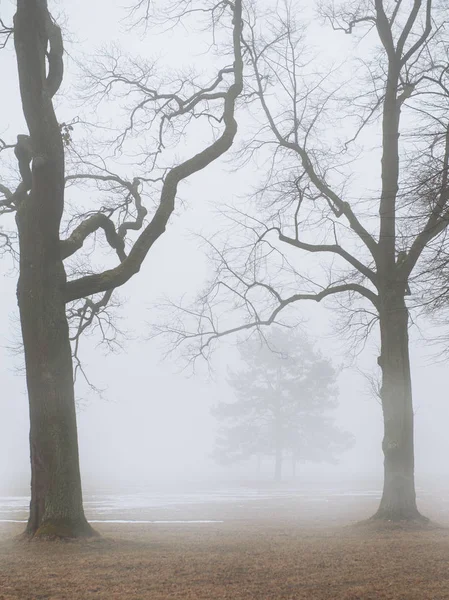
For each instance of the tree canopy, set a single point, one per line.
(285, 392)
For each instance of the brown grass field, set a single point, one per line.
(281, 550)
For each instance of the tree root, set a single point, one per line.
(62, 529)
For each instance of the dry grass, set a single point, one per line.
(277, 555)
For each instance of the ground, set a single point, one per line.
(280, 549)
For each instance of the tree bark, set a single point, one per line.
(56, 507)
(399, 497)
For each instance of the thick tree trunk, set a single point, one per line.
(56, 499)
(399, 498)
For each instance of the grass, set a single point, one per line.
(280, 551)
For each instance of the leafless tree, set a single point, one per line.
(45, 293)
(373, 240)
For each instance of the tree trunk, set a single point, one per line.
(278, 452)
(56, 499)
(278, 465)
(278, 437)
(56, 507)
(399, 497)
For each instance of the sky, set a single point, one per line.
(152, 422)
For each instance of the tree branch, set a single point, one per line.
(341, 207)
(438, 219)
(214, 334)
(428, 28)
(115, 238)
(334, 249)
(87, 227)
(101, 282)
(384, 30)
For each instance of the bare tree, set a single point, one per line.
(372, 243)
(44, 291)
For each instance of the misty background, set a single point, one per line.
(152, 424)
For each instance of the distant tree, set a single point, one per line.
(284, 394)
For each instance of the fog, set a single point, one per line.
(152, 426)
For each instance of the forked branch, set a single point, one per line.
(102, 282)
